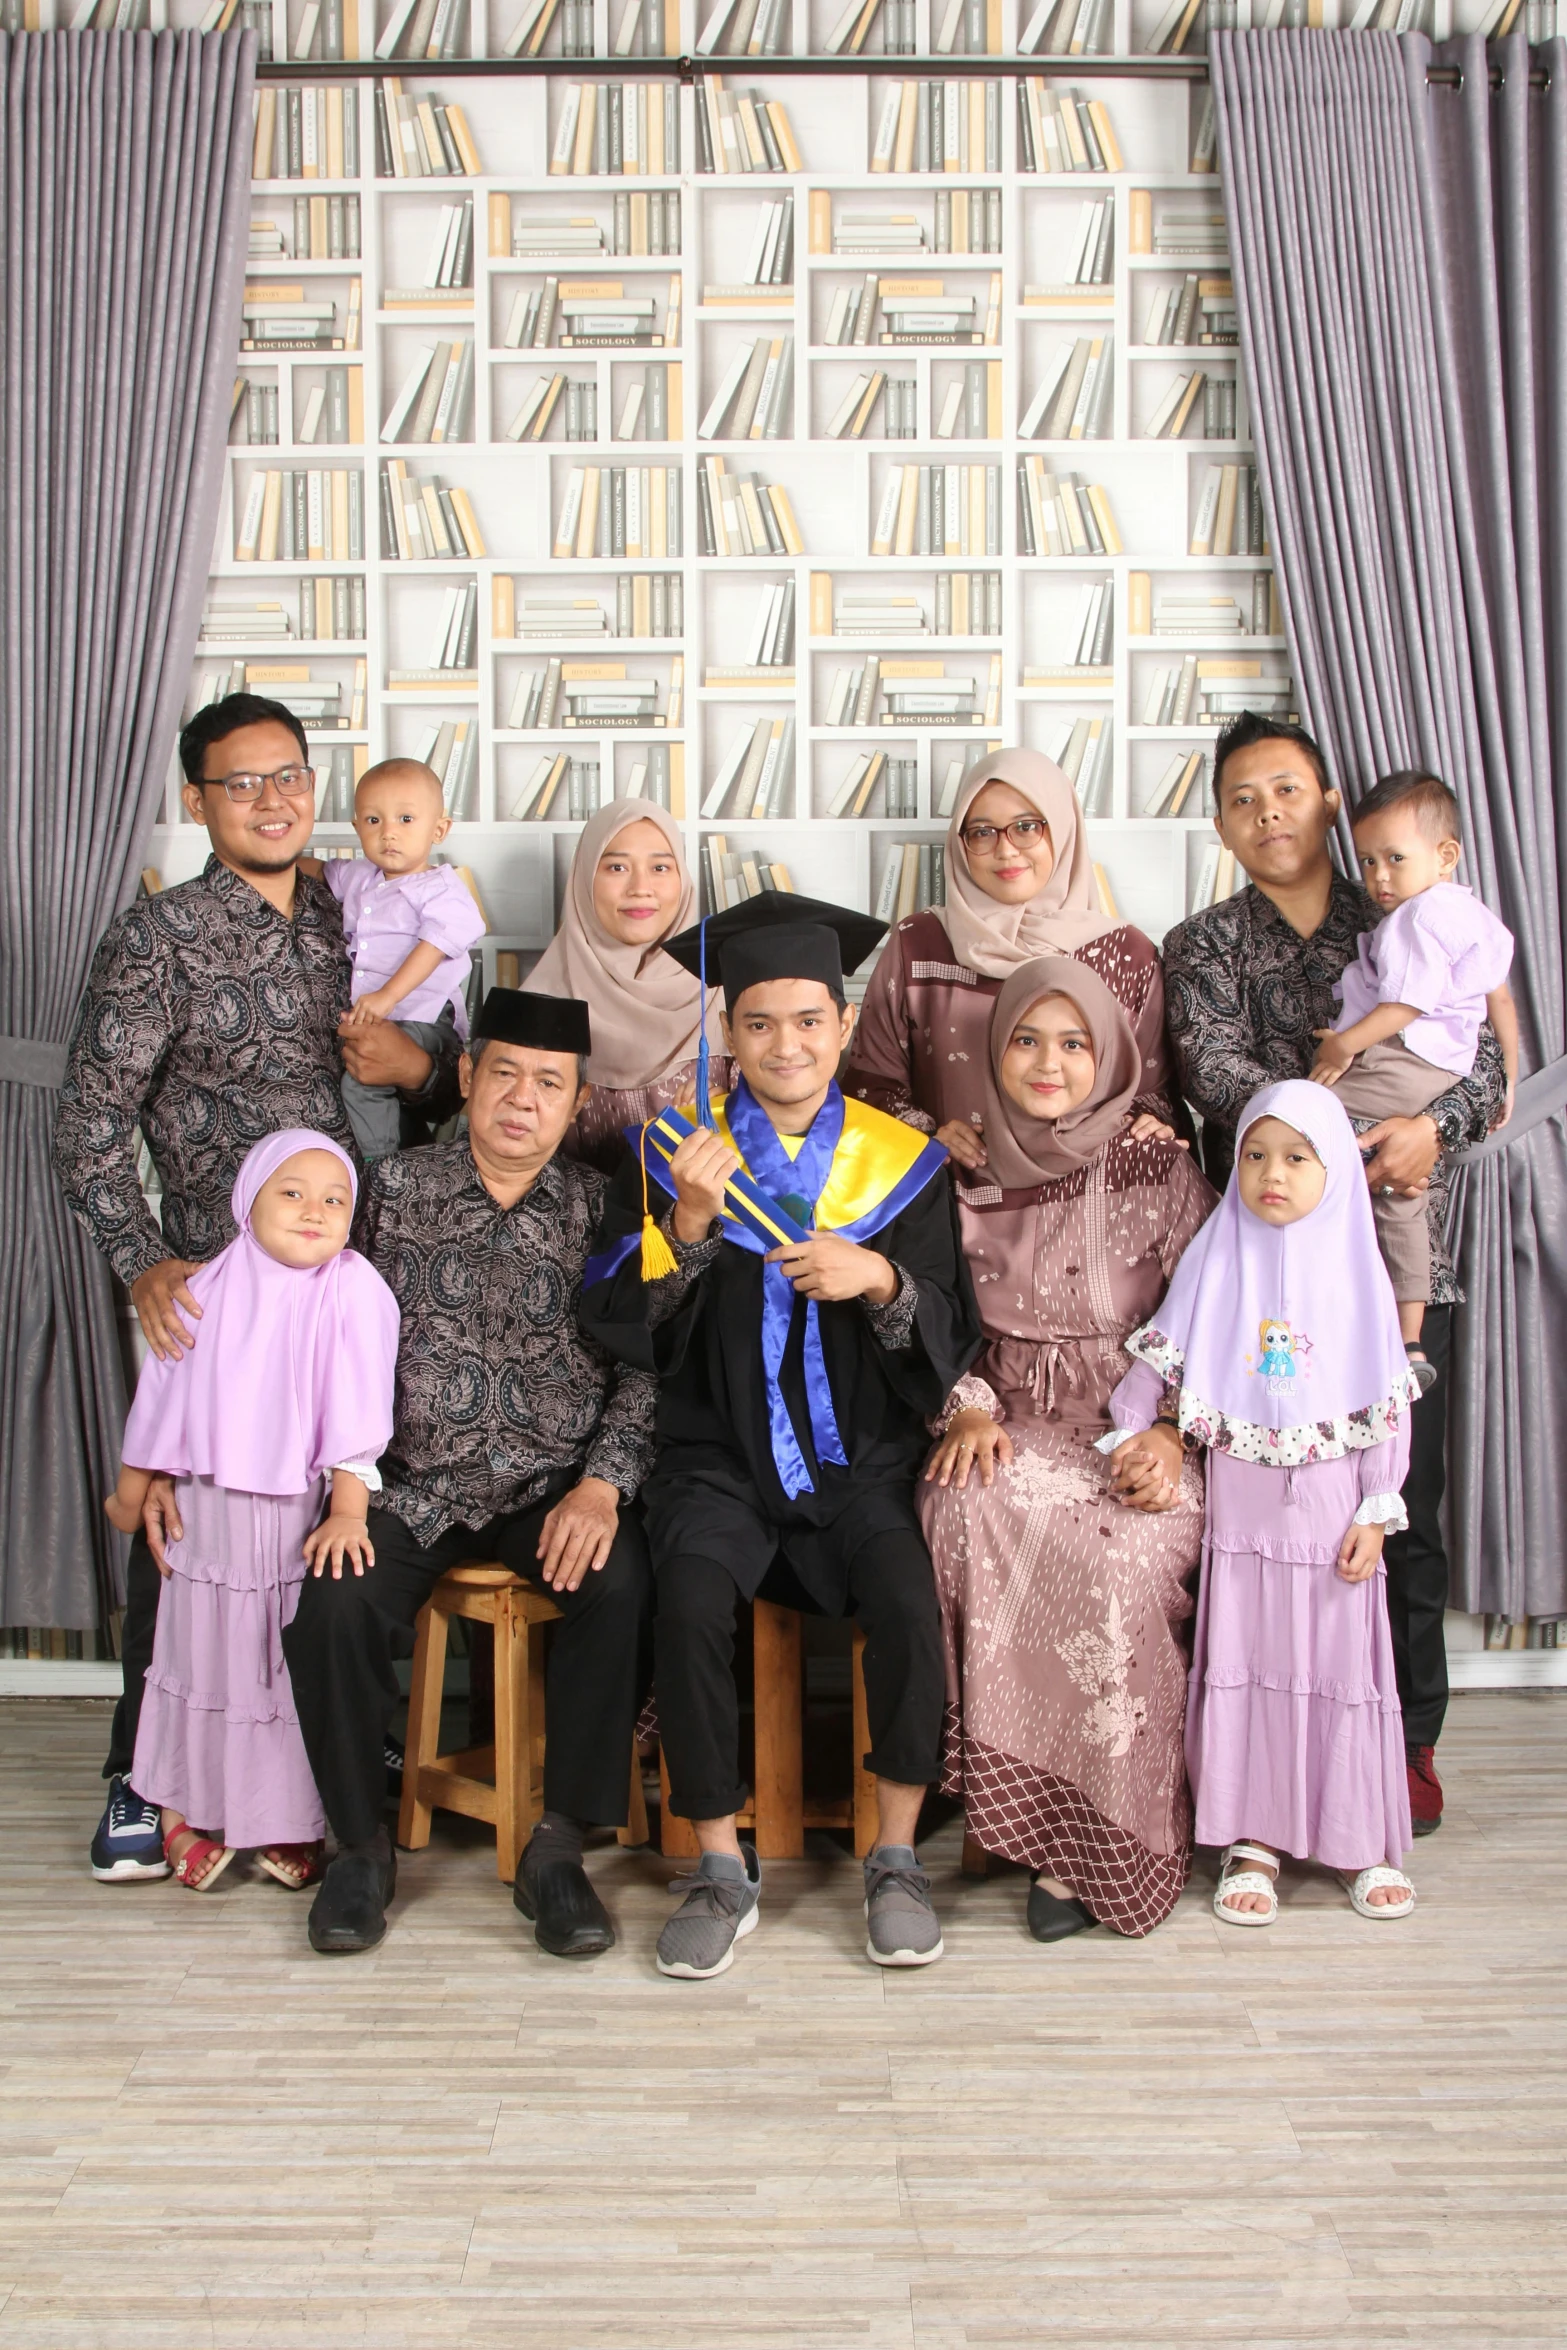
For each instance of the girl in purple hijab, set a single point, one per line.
(1277, 1348)
(289, 1383)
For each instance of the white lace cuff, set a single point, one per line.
(1382, 1509)
(367, 1473)
(971, 1394)
(1113, 1438)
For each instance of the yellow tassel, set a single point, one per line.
(658, 1258)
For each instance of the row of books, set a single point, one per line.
(647, 28)
(740, 514)
(317, 702)
(643, 221)
(965, 220)
(1210, 401)
(601, 694)
(1198, 310)
(1082, 749)
(1092, 633)
(769, 645)
(752, 401)
(938, 126)
(939, 510)
(448, 269)
(967, 603)
(733, 875)
(325, 228)
(1185, 788)
(302, 515)
(573, 400)
(1217, 876)
(1185, 613)
(1090, 251)
(568, 789)
(913, 879)
(1062, 130)
(742, 132)
(619, 511)
(647, 604)
(1060, 514)
(421, 137)
(896, 396)
(605, 129)
(422, 521)
(1230, 519)
(575, 312)
(48, 1643)
(451, 747)
(424, 29)
(456, 644)
(1068, 28)
(749, 28)
(305, 131)
(435, 401)
(1072, 402)
(755, 778)
(899, 777)
(278, 317)
(913, 310)
(918, 693)
(330, 609)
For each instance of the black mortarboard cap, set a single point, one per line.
(545, 1023)
(779, 935)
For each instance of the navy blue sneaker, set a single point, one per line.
(129, 1841)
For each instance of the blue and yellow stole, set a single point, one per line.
(855, 1170)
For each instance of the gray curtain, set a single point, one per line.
(125, 184)
(1400, 270)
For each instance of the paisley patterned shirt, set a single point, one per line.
(497, 1388)
(1244, 994)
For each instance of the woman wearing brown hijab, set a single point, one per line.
(1019, 884)
(1064, 1609)
(629, 890)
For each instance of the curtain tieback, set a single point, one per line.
(26, 1060)
(1538, 1097)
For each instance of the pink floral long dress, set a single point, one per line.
(1065, 1615)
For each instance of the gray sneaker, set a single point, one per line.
(904, 1929)
(718, 1909)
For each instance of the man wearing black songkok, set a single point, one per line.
(516, 1438)
(799, 1289)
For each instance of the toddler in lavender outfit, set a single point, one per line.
(1413, 999)
(288, 1384)
(409, 926)
(1277, 1348)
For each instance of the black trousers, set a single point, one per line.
(138, 1626)
(892, 1590)
(1416, 1559)
(345, 1634)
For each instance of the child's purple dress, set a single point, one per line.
(219, 1739)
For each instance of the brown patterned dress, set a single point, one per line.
(923, 1034)
(1065, 1615)
(596, 1135)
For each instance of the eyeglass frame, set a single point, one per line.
(1039, 830)
(249, 775)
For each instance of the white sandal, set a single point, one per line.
(1369, 1881)
(1260, 1880)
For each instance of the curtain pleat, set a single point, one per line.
(1400, 268)
(124, 229)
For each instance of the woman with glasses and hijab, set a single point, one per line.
(1019, 884)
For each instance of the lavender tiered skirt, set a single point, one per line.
(219, 1739)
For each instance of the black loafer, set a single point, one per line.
(349, 1912)
(567, 1916)
(1050, 1919)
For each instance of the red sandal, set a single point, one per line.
(294, 1866)
(192, 1858)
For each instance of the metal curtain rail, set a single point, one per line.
(686, 69)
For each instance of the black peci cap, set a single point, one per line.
(545, 1023)
(778, 936)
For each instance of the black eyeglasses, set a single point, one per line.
(1024, 832)
(293, 782)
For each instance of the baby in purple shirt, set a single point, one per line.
(409, 927)
(1413, 1000)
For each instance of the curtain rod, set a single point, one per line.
(686, 69)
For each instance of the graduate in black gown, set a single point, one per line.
(792, 1273)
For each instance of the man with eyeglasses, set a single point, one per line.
(211, 1018)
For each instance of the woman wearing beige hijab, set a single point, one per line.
(1020, 884)
(629, 890)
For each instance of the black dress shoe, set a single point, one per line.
(1050, 1919)
(569, 1920)
(349, 1912)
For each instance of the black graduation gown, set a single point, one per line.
(714, 1475)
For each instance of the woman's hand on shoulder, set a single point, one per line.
(963, 1142)
(973, 1440)
(1146, 1474)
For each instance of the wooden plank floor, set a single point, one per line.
(1333, 2132)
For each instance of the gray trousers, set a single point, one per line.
(1389, 1081)
(375, 1111)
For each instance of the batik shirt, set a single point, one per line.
(498, 1390)
(210, 1020)
(1244, 997)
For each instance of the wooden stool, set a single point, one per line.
(502, 1783)
(778, 1814)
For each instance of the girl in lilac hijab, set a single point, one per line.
(288, 1384)
(1277, 1349)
